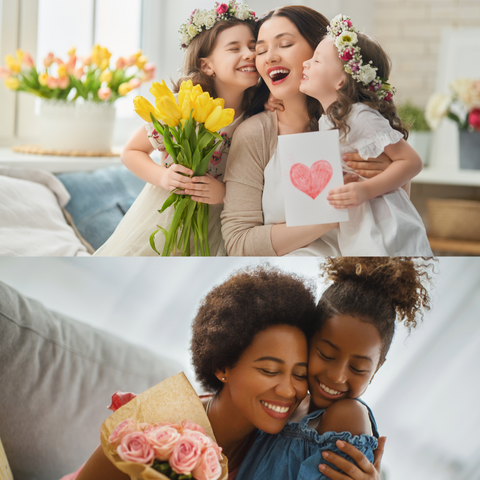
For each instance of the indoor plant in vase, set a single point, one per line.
(420, 134)
(77, 108)
(462, 105)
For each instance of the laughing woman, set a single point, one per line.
(253, 219)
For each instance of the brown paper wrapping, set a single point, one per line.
(172, 400)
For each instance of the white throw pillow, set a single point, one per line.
(32, 222)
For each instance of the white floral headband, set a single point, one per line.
(345, 37)
(206, 19)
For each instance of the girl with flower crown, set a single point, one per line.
(348, 75)
(220, 58)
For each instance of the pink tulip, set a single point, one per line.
(71, 64)
(63, 82)
(134, 83)
(87, 60)
(52, 83)
(149, 72)
(120, 63)
(104, 93)
(130, 61)
(78, 73)
(5, 73)
(28, 60)
(58, 61)
(48, 60)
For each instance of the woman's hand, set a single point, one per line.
(367, 168)
(206, 190)
(175, 176)
(363, 470)
(274, 104)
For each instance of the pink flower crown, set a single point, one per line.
(201, 19)
(345, 37)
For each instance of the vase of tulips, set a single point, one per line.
(77, 108)
(188, 125)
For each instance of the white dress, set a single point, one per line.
(387, 225)
(131, 238)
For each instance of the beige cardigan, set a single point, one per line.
(253, 145)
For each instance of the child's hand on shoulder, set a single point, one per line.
(274, 104)
(206, 189)
(348, 196)
(175, 177)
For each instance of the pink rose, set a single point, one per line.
(124, 428)
(474, 119)
(222, 8)
(186, 454)
(206, 441)
(187, 424)
(347, 55)
(135, 447)
(209, 467)
(163, 440)
(120, 398)
(388, 96)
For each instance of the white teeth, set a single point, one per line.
(275, 408)
(280, 70)
(329, 390)
(248, 69)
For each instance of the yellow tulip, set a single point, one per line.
(19, 54)
(203, 107)
(106, 76)
(144, 108)
(97, 55)
(137, 54)
(169, 110)
(43, 79)
(62, 71)
(123, 89)
(72, 52)
(141, 62)
(159, 90)
(196, 92)
(13, 64)
(186, 106)
(106, 54)
(12, 83)
(219, 102)
(186, 85)
(219, 118)
(104, 65)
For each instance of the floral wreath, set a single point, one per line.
(345, 37)
(205, 19)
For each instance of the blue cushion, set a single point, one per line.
(100, 199)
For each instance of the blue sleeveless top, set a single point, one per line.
(296, 452)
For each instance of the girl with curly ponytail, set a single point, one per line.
(355, 324)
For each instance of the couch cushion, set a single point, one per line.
(100, 199)
(57, 376)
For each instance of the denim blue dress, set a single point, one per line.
(296, 452)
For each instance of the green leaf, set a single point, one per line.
(156, 124)
(203, 165)
(168, 202)
(204, 140)
(152, 239)
(167, 141)
(187, 152)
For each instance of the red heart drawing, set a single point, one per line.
(311, 180)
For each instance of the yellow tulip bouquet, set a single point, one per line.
(188, 127)
(90, 77)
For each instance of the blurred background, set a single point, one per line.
(425, 397)
(432, 43)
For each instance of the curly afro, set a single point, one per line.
(378, 290)
(251, 300)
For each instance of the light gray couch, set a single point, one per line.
(57, 376)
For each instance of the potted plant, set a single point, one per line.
(462, 105)
(77, 110)
(420, 134)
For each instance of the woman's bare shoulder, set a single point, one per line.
(347, 415)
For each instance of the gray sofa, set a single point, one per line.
(57, 376)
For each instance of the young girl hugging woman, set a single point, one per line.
(348, 75)
(354, 329)
(219, 58)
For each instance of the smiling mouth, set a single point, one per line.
(330, 391)
(247, 69)
(304, 77)
(275, 408)
(278, 74)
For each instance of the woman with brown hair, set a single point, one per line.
(253, 219)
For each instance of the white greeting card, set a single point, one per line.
(311, 167)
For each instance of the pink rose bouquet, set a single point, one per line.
(177, 451)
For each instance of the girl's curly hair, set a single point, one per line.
(377, 290)
(353, 92)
